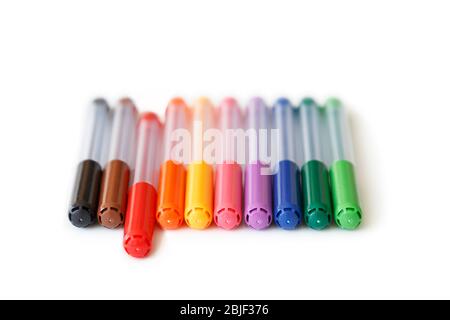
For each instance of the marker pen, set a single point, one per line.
(141, 210)
(286, 182)
(317, 205)
(258, 181)
(347, 210)
(228, 183)
(84, 201)
(114, 189)
(172, 183)
(199, 179)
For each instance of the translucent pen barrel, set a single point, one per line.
(258, 180)
(286, 181)
(229, 120)
(199, 179)
(347, 209)
(283, 118)
(317, 207)
(228, 183)
(114, 189)
(123, 132)
(172, 185)
(148, 150)
(142, 199)
(202, 121)
(96, 134)
(84, 200)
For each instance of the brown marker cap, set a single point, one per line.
(113, 194)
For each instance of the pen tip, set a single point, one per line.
(100, 101)
(228, 102)
(256, 104)
(178, 102)
(256, 100)
(149, 116)
(128, 103)
(308, 102)
(202, 101)
(333, 103)
(282, 102)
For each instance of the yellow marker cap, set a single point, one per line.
(199, 195)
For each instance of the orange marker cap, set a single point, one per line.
(172, 182)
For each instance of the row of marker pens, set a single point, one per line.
(128, 173)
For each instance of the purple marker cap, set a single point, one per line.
(258, 181)
(258, 197)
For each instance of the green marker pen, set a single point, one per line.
(317, 206)
(347, 210)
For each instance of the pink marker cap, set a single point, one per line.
(228, 182)
(228, 197)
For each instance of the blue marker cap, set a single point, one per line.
(286, 181)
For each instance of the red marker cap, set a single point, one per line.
(141, 211)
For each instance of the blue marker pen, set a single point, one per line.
(286, 181)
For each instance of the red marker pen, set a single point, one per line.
(141, 210)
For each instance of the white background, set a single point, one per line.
(389, 61)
